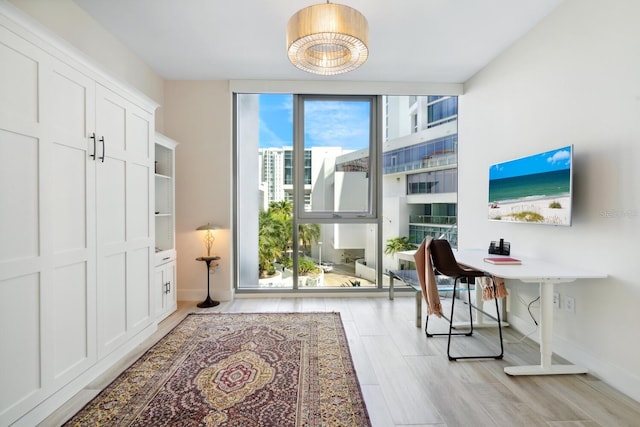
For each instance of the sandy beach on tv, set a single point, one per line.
(545, 210)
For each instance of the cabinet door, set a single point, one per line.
(22, 258)
(124, 219)
(165, 290)
(47, 224)
(70, 223)
(169, 292)
(159, 288)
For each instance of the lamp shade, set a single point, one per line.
(328, 39)
(207, 226)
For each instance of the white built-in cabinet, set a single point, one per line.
(77, 255)
(165, 288)
(165, 270)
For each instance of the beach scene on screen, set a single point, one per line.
(533, 189)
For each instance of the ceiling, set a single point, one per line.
(437, 41)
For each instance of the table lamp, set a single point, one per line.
(208, 237)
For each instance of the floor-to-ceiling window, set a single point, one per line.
(325, 185)
(306, 184)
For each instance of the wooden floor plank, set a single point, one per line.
(406, 398)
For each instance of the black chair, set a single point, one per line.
(444, 263)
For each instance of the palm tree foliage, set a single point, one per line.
(269, 242)
(308, 233)
(275, 235)
(398, 244)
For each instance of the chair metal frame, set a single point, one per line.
(444, 263)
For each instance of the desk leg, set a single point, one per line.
(546, 339)
(391, 286)
(546, 329)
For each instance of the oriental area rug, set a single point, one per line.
(238, 369)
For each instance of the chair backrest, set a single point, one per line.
(443, 259)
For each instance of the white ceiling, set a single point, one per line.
(439, 41)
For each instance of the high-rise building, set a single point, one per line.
(276, 172)
(424, 165)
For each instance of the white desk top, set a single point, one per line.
(531, 270)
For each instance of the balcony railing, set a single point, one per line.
(432, 219)
(440, 122)
(426, 163)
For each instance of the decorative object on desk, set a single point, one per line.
(489, 291)
(327, 39)
(428, 278)
(208, 237)
(502, 260)
(500, 248)
(268, 369)
(208, 302)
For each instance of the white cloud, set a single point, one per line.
(561, 156)
(337, 123)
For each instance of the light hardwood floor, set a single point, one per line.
(407, 380)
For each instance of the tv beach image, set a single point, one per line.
(534, 189)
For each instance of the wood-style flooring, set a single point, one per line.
(407, 380)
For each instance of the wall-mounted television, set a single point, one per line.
(533, 189)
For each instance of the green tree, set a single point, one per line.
(275, 236)
(283, 207)
(398, 244)
(269, 246)
(308, 233)
(306, 266)
(282, 212)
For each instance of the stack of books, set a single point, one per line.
(502, 260)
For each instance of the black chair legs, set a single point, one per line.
(444, 263)
(451, 332)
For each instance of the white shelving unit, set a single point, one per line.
(165, 270)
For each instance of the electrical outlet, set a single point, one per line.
(570, 304)
(556, 300)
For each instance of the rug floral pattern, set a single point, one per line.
(237, 369)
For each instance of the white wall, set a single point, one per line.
(574, 79)
(198, 115)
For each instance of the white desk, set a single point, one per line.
(546, 274)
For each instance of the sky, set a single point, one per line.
(327, 123)
(542, 162)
